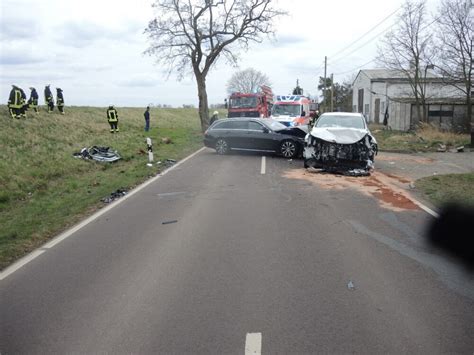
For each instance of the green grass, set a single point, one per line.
(443, 189)
(425, 139)
(44, 190)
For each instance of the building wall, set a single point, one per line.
(361, 82)
(403, 116)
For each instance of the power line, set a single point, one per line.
(366, 33)
(353, 69)
(363, 45)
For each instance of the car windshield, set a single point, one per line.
(287, 110)
(243, 102)
(340, 121)
(274, 125)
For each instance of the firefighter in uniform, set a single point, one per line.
(48, 98)
(33, 101)
(60, 100)
(24, 105)
(15, 102)
(112, 117)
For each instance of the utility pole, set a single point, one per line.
(332, 93)
(324, 87)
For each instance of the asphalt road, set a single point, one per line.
(224, 253)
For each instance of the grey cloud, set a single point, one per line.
(17, 58)
(15, 28)
(83, 34)
(139, 81)
(286, 40)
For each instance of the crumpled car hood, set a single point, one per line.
(339, 135)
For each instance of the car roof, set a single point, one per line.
(348, 114)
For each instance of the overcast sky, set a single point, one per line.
(93, 49)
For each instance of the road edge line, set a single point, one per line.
(66, 234)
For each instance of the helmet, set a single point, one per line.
(215, 113)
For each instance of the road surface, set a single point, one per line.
(243, 254)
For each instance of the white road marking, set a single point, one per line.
(262, 169)
(20, 263)
(424, 208)
(33, 255)
(253, 343)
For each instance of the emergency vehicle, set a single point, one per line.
(291, 110)
(251, 104)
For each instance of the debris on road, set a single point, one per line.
(114, 195)
(98, 153)
(166, 163)
(170, 222)
(351, 286)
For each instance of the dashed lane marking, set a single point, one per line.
(253, 343)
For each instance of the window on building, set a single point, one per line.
(438, 111)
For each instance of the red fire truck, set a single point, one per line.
(251, 104)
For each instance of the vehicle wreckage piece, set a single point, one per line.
(344, 151)
(101, 154)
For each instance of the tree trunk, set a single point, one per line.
(203, 104)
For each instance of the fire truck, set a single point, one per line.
(251, 104)
(291, 110)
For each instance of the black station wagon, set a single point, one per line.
(254, 134)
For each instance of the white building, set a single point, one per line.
(373, 89)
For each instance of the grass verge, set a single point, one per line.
(426, 139)
(443, 189)
(44, 190)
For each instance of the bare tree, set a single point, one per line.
(455, 43)
(408, 49)
(247, 80)
(191, 35)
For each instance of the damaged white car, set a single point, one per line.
(340, 142)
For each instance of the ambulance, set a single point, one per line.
(291, 110)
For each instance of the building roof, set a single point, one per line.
(387, 74)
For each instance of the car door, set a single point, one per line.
(261, 137)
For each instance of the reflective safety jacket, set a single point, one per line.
(59, 98)
(112, 115)
(48, 95)
(33, 97)
(16, 99)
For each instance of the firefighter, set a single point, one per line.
(24, 104)
(314, 117)
(60, 100)
(33, 101)
(15, 102)
(146, 114)
(112, 117)
(215, 117)
(48, 98)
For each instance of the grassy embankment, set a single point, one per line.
(425, 139)
(44, 189)
(440, 189)
(443, 189)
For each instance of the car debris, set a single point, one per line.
(170, 222)
(341, 143)
(98, 153)
(166, 163)
(114, 195)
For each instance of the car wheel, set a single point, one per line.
(288, 149)
(221, 146)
